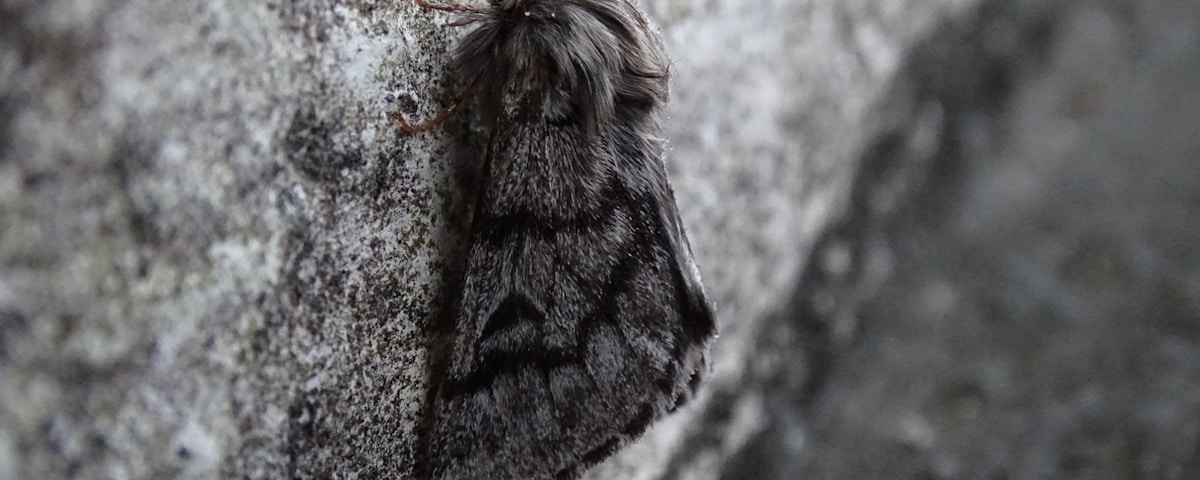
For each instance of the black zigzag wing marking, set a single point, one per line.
(678, 380)
(499, 229)
(519, 312)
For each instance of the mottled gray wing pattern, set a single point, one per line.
(581, 318)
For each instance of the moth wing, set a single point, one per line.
(581, 319)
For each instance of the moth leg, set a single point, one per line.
(449, 7)
(440, 118)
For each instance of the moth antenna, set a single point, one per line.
(449, 7)
(473, 12)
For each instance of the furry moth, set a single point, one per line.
(582, 318)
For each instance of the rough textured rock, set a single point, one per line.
(1016, 290)
(948, 239)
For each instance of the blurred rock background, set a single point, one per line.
(950, 239)
(1015, 293)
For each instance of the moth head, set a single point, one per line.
(586, 59)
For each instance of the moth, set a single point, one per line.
(582, 318)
